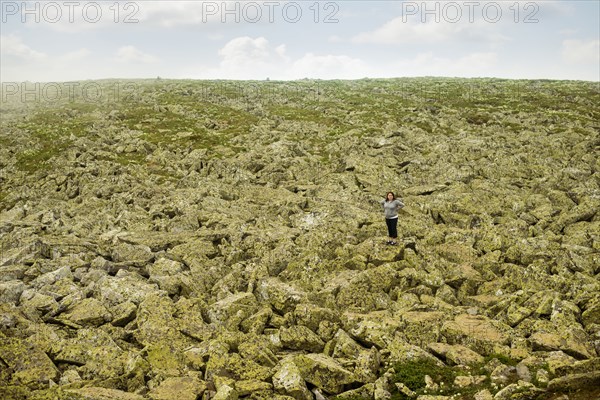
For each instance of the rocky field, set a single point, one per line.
(221, 240)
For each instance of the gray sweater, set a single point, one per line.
(391, 208)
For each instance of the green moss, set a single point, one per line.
(51, 131)
(55, 393)
(164, 360)
(412, 374)
(14, 392)
(502, 358)
(534, 376)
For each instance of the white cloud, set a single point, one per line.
(12, 45)
(579, 51)
(69, 17)
(248, 58)
(328, 67)
(427, 64)
(175, 13)
(130, 54)
(412, 30)
(245, 50)
(256, 58)
(20, 62)
(568, 32)
(443, 22)
(76, 55)
(398, 31)
(75, 17)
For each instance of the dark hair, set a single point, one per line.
(393, 196)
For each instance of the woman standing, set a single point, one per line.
(391, 205)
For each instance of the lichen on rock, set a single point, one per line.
(184, 242)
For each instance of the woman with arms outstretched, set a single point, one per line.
(391, 205)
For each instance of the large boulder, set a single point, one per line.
(324, 372)
(377, 328)
(10, 291)
(299, 337)
(100, 393)
(232, 310)
(88, 312)
(181, 388)
(455, 354)
(29, 365)
(281, 296)
(288, 380)
(476, 332)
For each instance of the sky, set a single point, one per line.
(57, 41)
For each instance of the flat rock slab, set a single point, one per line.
(183, 388)
(574, 382)
(455, 354)
(99, 393)
(31, 366)
(288, 380)
(299, 337)
(324, 372)
(476, 331)
(565, 341)
(156, 241)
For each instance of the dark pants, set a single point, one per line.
(391, 225)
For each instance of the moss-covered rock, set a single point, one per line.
(234, 366)
(28, 365)
(477, 331)
(299, 337)
(258, 349)
(288, 380)
(376, 328)
(573, 382)
(88, 312)
(573, 342)
(281, 296)
(100, 393)
(10, 291)
(184, 388)
(226, 392)
(323, 372)
(311, 316)
(421, 328)
(232, 310)
(455, 354)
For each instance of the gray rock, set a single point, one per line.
(455, 354)
(88, 312)
(299, 337)
(324, 372)
(572, 382)
(100, 393)
(232, 310)
(11, 291)
(281, 296)
(31, 366)
(183, 388)
(288, 380)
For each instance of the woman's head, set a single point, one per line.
(390, 196)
